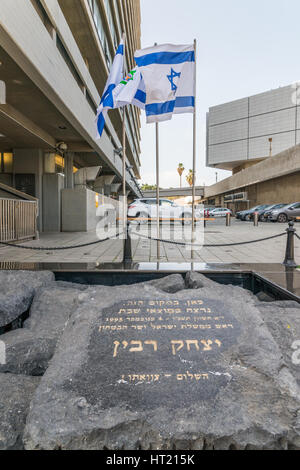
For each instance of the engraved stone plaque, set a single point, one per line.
(148, 352)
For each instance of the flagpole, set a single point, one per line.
(157, 187)
(157, 178)
(124, 147)
(194, 146)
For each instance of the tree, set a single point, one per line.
(180, 170)
(148, 187)
(190, 177)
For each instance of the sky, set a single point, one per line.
(244, 47)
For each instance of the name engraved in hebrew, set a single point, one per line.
(176, 346)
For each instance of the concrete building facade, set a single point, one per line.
(257, 138)
(55, 57)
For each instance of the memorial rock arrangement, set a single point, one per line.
(175, 363)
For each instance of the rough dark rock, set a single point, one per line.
(210, 288)
(146, 369)
(264, 297)
(170, 284)
(26, 353)
(71, 285)
(16, 392)
(283, 304)
(51, 309)
(29, 350)
(17, 289)
(284, 326)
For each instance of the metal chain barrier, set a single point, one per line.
(40, 248)
(297, 236)
(209, 246)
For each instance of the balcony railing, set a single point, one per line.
(18, 220)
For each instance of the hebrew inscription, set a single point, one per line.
(160, 349)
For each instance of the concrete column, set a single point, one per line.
(30, 162)
(49, 163)
(69, 162)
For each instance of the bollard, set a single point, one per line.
(255, 219)
(290, 247)
(228, 219)
(127, 247)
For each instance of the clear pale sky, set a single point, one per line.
(244, 47)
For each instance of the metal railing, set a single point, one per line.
(18, 219)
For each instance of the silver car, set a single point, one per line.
(286, 213)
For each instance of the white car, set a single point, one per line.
(219, 212)
(146, 209)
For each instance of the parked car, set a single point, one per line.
(264, 217)
(146, 209)
(262, 211)
(286, 213)
(220, 212)
(246, 215)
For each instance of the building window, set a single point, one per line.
(100, 30)
(43, 15)
(91, 102)
(6, 163)
(69, 62)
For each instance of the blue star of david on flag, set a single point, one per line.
(171, 79)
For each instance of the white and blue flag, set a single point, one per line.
(115, 77)
(168, 75)
(131, 90)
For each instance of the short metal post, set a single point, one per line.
(228, 219)
(290, 246)
(127, 247)
(255, 219)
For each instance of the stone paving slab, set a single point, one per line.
(144, 250)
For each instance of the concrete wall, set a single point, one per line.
(6, 179)
(240, 130)
(30, 161)
(283, 164)
(79, 210)
(52, 187)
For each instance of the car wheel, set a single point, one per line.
(247, 218)
(282, 218)
(186, 219)
(261, 218)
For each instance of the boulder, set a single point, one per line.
(29, 350)
(26, 353)
(71, 285)
(171, 284)
(17, 289)
(284, 326)
(195, 280)
(264, 297)
(16, 392)
(140, 368)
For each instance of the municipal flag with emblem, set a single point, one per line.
(115, 77)
(168, 73)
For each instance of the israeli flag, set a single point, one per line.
(168, 73)
(131, 90)
(115, 77)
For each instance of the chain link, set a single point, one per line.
(208, 246)
(41, 248)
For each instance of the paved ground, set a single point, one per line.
(144, 250)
